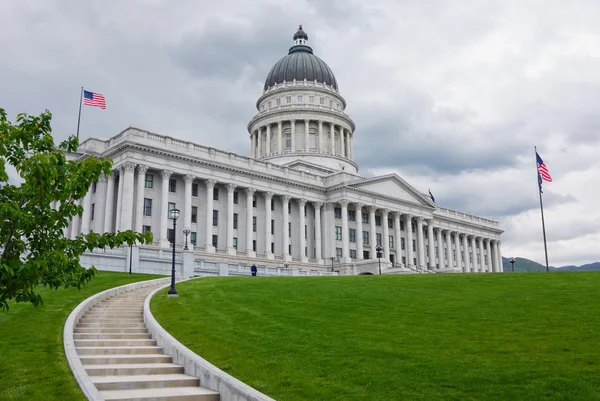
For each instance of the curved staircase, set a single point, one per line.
(123, 361)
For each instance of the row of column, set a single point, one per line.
(260, 148)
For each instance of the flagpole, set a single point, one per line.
(79, 117)
(541, 209)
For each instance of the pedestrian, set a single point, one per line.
(253, 270)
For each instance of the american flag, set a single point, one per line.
(542, 169)
(94, 99)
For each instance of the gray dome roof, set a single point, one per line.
(300, 64)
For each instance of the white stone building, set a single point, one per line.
(296, 200)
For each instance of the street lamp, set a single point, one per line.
(186, 232)
(286, 265)
(332, 258)
(378, 249)
(173, 215)
(512, 262)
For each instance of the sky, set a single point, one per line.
(452, 96)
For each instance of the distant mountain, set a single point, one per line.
(526, 265)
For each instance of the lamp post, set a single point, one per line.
(512, 262)
(286, 265)
(173, 215)
(332, 258)
(378, 249)
(186, 232)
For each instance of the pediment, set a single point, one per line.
(301, 165)
(392, 186)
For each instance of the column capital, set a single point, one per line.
(419, 219)
(128, 167)
(250, 191)
(301, 202)
(385, 211)
(320, 122)
(102, 178)
(188, 178)
(293, 120)
(372, 208)
(329, 207)
(231, 187)
(285, 199)
(344, 202)
(269, 195)
(358, 205)
(142, 169)
(429, 222)
(407, 216)
(166, 174)
(317, 205)
(210, 184)
(279, 123)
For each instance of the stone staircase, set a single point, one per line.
(122, 360)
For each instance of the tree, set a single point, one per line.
(33, 249)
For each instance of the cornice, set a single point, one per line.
(291, 87)
(298, 110)
(400, 182)
(345, 187)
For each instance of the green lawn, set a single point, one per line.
(414, 337)
(32, 358)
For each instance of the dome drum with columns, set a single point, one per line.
(297, 199)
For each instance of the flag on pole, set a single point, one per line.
(94, 99)
(431, 195)
(542, 169)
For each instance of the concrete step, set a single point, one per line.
(119, 350)
(111, 336)
(162, 394)
(124, 359)
(136, 369)
(110, 330)
(104, 383)
(115, 343)
(113, 314)
(109, 325)
(111, 320)
(117, 309)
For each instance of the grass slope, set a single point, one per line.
(414, 337)
(523, 265)
(32, 359)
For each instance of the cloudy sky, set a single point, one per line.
(451, 95)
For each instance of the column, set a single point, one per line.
(230, 189)
(100, 204)
(259, 140)
(127, 198)
(164, 208)
(409, 240)
(494, 257)
(386, 232)
(474, 253)
(108, 207)
(500, 264)
(465, 239)
(350, 145)
(301, 210)
(249, 214)
(139, 209)
(440, 244)
(293, 122)
(268, 141)
(397, 238)
(268, 233)
(342, 144)
(285, 234)
(359, 230)
(187, 207)
(306, 135)
(75, 222)
(319, 256)
(481, 258)
(345, 232)
(328, 232)
(210, 186)
(332, 138)
(373, 234)
(420, 243)
(488, 258)
(320, 139)
(119, 199)
(449, 249)
(279, 136)
(252, 145)
(458, 254)
(87, 206)
(431, 244)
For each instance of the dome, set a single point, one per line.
(300, 64)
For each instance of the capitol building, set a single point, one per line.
(296, 199)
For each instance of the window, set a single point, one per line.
(272, 205)
(194, 214)
(235, 221)
(378, 237)
(322, 100)
(414, 245)
(401, 226)
(269, 104)
(148, 207)
(288, 141)
(312, 141)
(337, 106)
(338, 253)
(94, 187)
(338, 212)
(278, 102)
(305, 251)
(254, 223)
(352, 215)
(353, 253)
(390, 223)
(404, 260)
(193, 237)
(92, 211)
(235, 238)
(289, 229)
(288, 99)
(338, 233)
(170, 235)
(172, 185)
(215, 240)
(216, 193)
(235, 198)
(365, 218)
(254, 245)
(253, 200)
(300, 98)
(171, 207)
(272, 226)
(272, 247)
(290, 249)
(149, 181)
(263, 107)
(305, 211)
(366, 237)
(352, 235)
(366, 255)
(331, 104)
(215, 218)
(146, 229)
(311, 99)
(378, 220)
(305, 232)
(194, 189)
(402, 244)
(289, 208)
(391, 241)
